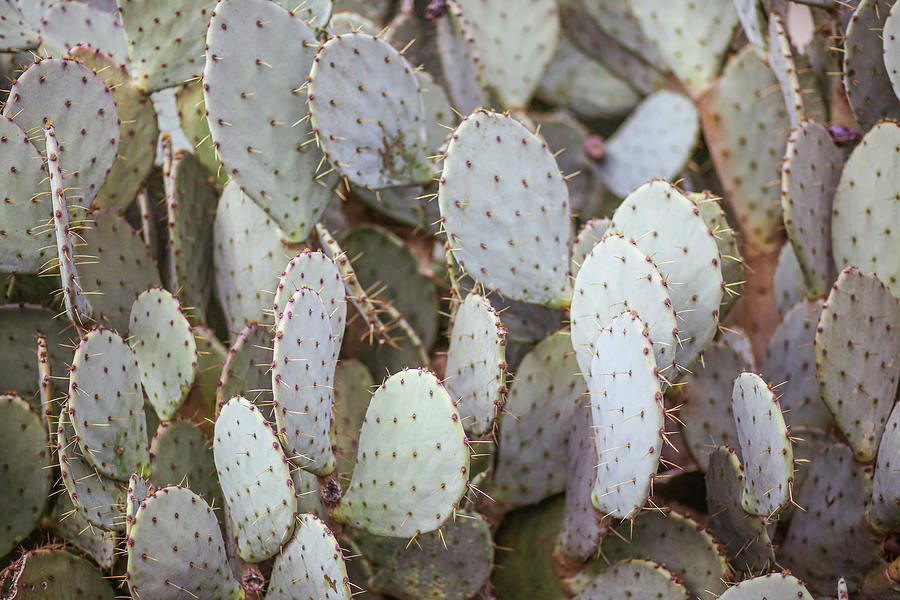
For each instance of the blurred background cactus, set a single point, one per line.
(450, 299)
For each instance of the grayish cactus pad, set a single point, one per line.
(310, 566)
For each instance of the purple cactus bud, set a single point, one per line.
(594, 147)
(844, 136)
(436, 9)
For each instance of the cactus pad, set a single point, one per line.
(19, 326)
(73, 527)
(885, 509)
(353, 385)
(634, 578)
(856, 358)
(589, 236)
(520, 246)
(773, 585)
(70, 23)
(475, 373)
(866, 79)
(268, 99)
(788, 285)
(303, 366)
(53, 574)
(310, 566)
(461, 66)
(255, 476)
(175, 548)
(413, 463)
(16, 32)
(246, 368)
(891, 43)
(180, 455)
(731, 262)
(106, 406)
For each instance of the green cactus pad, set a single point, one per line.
(255, 476)
(412, 467)
(788, 285)
(98, 498)
(885, 509)
(248, 256)
(303, 363)
(662, 130)
(668, 227)
(16, 32)
(582, 527)
(854, 364)
(520, 246)
(831, 535)
(627, 414)
(566, 137)
(732, 264)
(634, 578)
(106, 406)
(119, 269)
(49, 89)
(24, 462)
(190, 200)
(706, 413)
(773, 585)
(367, 112)
(73, 527)
(316, 13)
(211, 357)
(175, 548)
(165, 40)
(310, 566)
(891, 39)
(782, 61)
(616, 276)
(515, 45)
(866, 79)
(70, 23)
(809, 179)
(475, 375)
(584, 85)
(268, 99)
(439, 114)
(589, 236)
(410, 205)
(165, 349)
(692, 38)
(139, 129)
(618, 19)
(745, 537)
(791, 360)
(864, 206)
(54, 574)
(765, 446)
(534, 429)
(19, 326)
(246, 368)
(674, 541)
(348, 21)
(353, 385)
(191, 109)
(461, 66)
(180, 455)
(744, 123)
(138, 489)
(25, 243)
(319, 273)
(752, 21)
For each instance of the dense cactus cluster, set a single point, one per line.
(450, 299)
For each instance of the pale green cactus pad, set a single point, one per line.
(165, 349)
(348, 21)
(180, 455)
(616, 276)
(475, 375)
(885, 509)
(618, 19)
(439, 114)
(519, 247)
(119, 269)
(891, 42)
(834, 496)
(668, 227)
(106, 406)
(865, 206)
(20, 325)
(17, 33)
(367, 112)
(24, 461)
(73, 527)
(165, 40)
(746, 537)
(765, 446)
(627, 414)
(744, 122)
(316, 13)
(53, 574)
(633, 578)
(412, 466)
(515, 45)
(175, 548)
(810, 176)
(191, 108)
(98, 498)
(69, 23)
(462, 68)
(255, 476)
(662, 130)
(781, 59)
(788, 285)
(139, 129)
(245, 371)
(88, 134)
(773, 585)
(534, 430)
(310, 566)
(138, 489)
(866, 78)
(269, 99)
(304, 359)
(691, 37)
(752, 21)
(856, 358)
(731, 263)
(353, 385)
(790, 364)
(319, 273)
(248, 255)
(589, 236)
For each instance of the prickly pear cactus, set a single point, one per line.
(315, 553)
